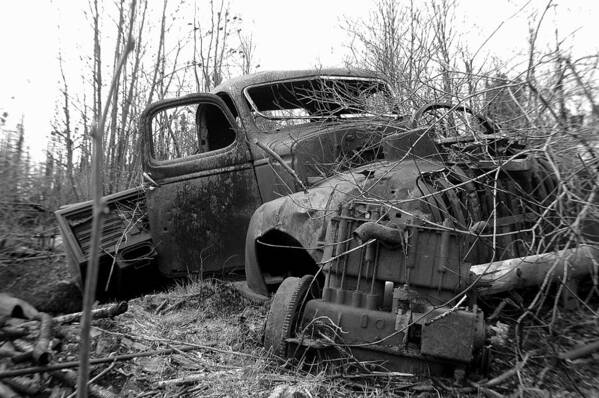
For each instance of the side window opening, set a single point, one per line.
(215, 130)
(188, 130)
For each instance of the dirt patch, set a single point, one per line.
(43, 280)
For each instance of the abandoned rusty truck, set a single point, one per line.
(375, 231)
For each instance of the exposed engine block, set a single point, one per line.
(397, 270)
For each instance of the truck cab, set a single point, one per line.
(210, 160)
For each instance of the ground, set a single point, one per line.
(223, 332)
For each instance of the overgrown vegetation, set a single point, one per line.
(223, 333)
(549, 101)
(178, 53)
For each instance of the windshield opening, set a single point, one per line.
(294, 102)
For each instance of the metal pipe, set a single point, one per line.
(372, 230)
(360, 266)
(444, 253)
(370, 254)
(341, 250)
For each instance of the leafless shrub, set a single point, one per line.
(549, 104)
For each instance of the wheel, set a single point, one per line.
(284, 313)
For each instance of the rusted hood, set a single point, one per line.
(318, 150)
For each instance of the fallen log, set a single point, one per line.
(41, 350)
(7, 351)
(194, 378)
(26, 353)
(580, 351)
(108, 311)
(502, 276)
(26, 356)
(16, 308)
(69, 377)
(93, 361)
(11, 333)
(7, 392)
(104, 312)
(22, 345)
(24, 386)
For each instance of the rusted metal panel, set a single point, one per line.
(199, 224)
(124, 230)
(453, 336)
(202, 202)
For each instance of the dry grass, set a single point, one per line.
(541, 339)
(230, 360)
(210, 314)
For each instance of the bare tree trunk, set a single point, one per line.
(97, 70)
(113, 132)
(247, 47)
(559, 85)
(212, 54)
(396, 42)
(196, 29)
(530, 72)
(91, 279)
(126, 114)
(443, 38)
(159, 55)
(13, 167)
(67, 134)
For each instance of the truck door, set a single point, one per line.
(203, 189)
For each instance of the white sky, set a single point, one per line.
(289, 34)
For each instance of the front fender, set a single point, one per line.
(305, 216)
(302, 216)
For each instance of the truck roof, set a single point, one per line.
(241, 82)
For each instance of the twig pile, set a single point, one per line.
(31, 342)
(201, 339)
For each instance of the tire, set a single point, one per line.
(284, 313)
